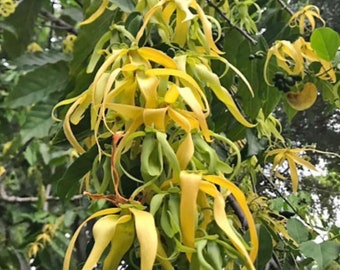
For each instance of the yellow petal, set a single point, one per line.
(147, 18)
(97, 13)
(222, 94)
(188, 208)
(179, 119)
(186, 80)
(126, 111)
(185, 151)
(293, 174)
(168, 11)
(301, 161)
(240, 198)
(206, 27)
(158, 57)
(68, 254)
(148, 87)
(172, 94)
(155, 118)
(67, 126)
(147, 237)
(190, 99)
(182, 28)
(222, 220)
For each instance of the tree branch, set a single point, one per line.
(244, 33)
(59, 23)
(285, 7)
(15, 199)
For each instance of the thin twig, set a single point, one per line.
(58, 22)
(219, 11)
(285, 7)
(238, 211)
(79, 3)
(16, 199)
(281, 195)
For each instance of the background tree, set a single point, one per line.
(47, 56)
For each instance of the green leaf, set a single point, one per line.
(38, 122)
(297, 230)
(325, 41)
(289, 262)
(37, 85)
(127, 6)
(323, 253)
(134, 22)
(32, 60)
(330, 251)
(265, 248)
(31, 153)
(9, 28)
(72, 13)
(23, 21)
(165, 223)
(254, 145)
(151, 157)
(69, 184)
(70, 216)
(156, 202)
(88, 36)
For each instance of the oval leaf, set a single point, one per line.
(325, 41)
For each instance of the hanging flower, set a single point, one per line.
(308, 13)
(34, 47)
(7, 7)
(290, 155)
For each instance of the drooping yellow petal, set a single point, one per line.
(222, 221)
(221, 93)
(185, 151)
(240, 198)
(147, 18)
(270, 54)
(301, 161)
(308, 13)
(182, 28)
(78, 113)
(190, 99)
(97, 13)
(168, 11)
(194, 124)
(205, 207)
(157, 57)
(293, 173)
(186, 80)
(155, 118)
(63, 103)
(184, 5)
(179, 119)
(147, 237)
(68, 254)
(188, 206)
(126, 111)
(67, 125)
(148, 87)
(207, 29)
(172, 94)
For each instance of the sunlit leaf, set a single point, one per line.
(325, 41)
